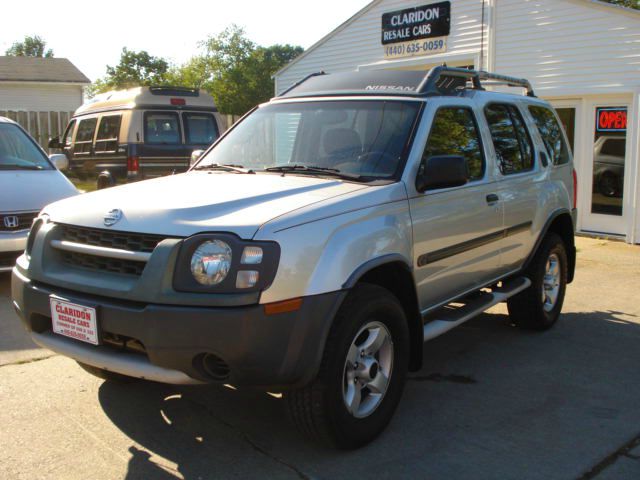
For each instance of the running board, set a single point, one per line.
(448, 317)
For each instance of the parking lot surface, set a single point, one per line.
(491, 402)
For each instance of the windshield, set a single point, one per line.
(363, 139)
(18, 152)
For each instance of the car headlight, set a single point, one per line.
(223, 263)
(211, 261)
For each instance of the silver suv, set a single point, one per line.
(316, 246)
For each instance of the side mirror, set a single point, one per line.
(59, 160)
(55, 143)
(195, 155)
(443, 171)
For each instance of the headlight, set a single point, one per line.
(224, 263)
(211, 262)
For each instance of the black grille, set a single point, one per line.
(135, 242)
(105, 264)
(10, 222)
(8, 259)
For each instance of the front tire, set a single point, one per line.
(362, 373)
(538, 307)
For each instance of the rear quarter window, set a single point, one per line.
(162, 128)
(511, 140)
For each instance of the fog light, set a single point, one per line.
(251, 256)
(246, 278)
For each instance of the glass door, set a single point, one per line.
(605, 208)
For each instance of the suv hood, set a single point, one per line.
(193, 202)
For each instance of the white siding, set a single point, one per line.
(567, 47)
(359, 43)
(39, 97)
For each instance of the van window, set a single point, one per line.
(84, 136)
(199, 128)
(454, 132)
(551, 134)
(510, 138)
(68, 134)
(614, 147)
(162, 128)
(108, 131)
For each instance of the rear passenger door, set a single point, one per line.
(456, 230)
(520, 181)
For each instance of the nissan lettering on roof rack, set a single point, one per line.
(317, 245)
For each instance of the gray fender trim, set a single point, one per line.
(359, 272)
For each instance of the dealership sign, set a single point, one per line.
(426, 21)
(416, 31)
(611, 119)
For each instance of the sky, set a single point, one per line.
(92, 34)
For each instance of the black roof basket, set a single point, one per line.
(177, 91)
(444, 79)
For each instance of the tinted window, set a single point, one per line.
(68, 135)
(454, 132)
(510, 138)
(18, 152)
(614, 147)
(199, 128)
(109, 127)
(551, 134)
(161, 128)
(86, 129)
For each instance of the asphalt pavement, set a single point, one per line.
(492, 402)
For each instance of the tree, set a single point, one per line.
(30, 47)
(234, 70)
(626, 3)
(135, 69)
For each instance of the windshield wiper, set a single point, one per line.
(227, 167)
(334, 172)
(15, 166)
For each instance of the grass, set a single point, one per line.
(86, 185)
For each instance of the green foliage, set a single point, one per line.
(30, 47)
(236, 71)
(135, 69)
(626, 3)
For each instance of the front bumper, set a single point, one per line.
(12, 245)
(271, 351)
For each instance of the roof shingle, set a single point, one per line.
(37, 69)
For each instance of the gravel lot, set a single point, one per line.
(491, 402)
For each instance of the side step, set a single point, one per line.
(450, 316)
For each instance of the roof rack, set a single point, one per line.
(301, 81)
(445, 79)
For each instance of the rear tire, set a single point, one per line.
(107, 375)
(364, 365)
(538, 307)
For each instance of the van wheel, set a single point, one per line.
(106, 374)
(362, 373)
(538, 307)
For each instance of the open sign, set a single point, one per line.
(611, 119)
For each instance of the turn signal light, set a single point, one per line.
(133, 164)
(285, 306)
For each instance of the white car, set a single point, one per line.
(28, 181)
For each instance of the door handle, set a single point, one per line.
(492, 198)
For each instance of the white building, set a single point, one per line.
(40, 93)
(581, 55)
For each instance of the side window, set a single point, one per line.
(68, 134)
(199, 128)
(510, 138)
(551, 133)
(454, 132)
(84, 136)
(614, 147)
(108, 131)
(162, 128)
